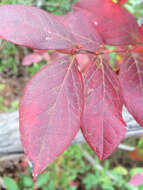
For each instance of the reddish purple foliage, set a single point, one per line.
(137, 179)
(131, 79)
(102, 125)
(121, 2)
(55, 104)
(50, 114)
(115, 25)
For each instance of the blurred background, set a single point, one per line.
(77, 168)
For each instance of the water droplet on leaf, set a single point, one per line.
(47, 38)
(96, 23)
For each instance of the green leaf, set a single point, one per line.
(27, 181)
(140, 187)
(90, 181)
(71, 188)
(2, 86)
(121, 170)
(135, 171)
(42, 179)
(10, 183)
(14, 105)
(50, 186)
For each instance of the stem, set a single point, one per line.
(110, 51)
(126, 147)
(106, 51)
(96, 165)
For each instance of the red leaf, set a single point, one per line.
(121, 2)
(35, 58)
(114, 23)
(102, 126)
(83, 30)
(84, 61)
(138, 49)
(56, 55)
(141, 32)
(31, 58)
(45, 56)
(50, 112)
(33, 27)
(131, 79)
(40, 51)
(137, 179)
(136, 155)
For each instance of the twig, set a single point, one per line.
(2, 183)
(96, 165)
(11, 156)
(126, 147)
(101, 52)
(137, 132)
(10, 138)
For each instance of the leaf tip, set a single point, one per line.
(102, 156)
(35, 174)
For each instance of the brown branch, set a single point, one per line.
(103, 51)
(10, 138)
